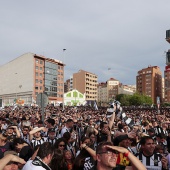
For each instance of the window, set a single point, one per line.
(40, 68)
(41, 62)
(36, 88)
(51, 72)
(36, 74)
(36, 67)
(41, 81)
(36, 61)
(36, 80)
(75, 94)
(40, 74)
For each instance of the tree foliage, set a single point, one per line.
(135, 99)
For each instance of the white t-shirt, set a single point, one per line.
(30, 166)
(64, 129)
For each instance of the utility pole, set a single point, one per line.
(63, 75)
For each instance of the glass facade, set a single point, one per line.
(51, 79)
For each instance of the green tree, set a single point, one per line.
(125, 100)
(135, 99)
(119, 96)
(147, 100)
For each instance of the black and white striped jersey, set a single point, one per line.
(165, 132)
(26, 138)
(35, 142)
(151, 162)
(52, 141)
(158, 130)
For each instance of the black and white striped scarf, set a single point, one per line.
(38, 162)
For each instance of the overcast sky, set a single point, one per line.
(124, 35)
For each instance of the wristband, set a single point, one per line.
(126, 154)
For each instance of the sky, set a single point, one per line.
(112, 38)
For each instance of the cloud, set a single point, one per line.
(123, 35)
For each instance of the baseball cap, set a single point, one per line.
(51, 130)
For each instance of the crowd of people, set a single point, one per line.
(82, 138)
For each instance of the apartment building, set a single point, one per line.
(86, 82)
(127, 89)
(149, 82)
(102, 98)
(112, 88)
(167, 84)
(167, 72)
(168, 36)
(107, 91)
(68, 85)
(30, 74)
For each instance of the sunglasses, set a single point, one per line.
(25, 130)
(62, 145)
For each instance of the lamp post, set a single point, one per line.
(75, 93)
(16, 85)
(63, 75)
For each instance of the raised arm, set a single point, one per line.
(89, 150)
(17, 131)
(36, 130)
(6, 159)
(111, 121)
(137, 164)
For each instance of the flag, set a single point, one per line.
(85, 103)
(127, 120)
(89, 103)
(95, 106)
(15, 106)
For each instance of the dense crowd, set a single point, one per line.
(84, 138)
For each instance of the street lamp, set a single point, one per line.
(16, 85)
(63, 76)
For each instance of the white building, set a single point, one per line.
(74, 98)
(17, 79)
(28, 75)
(127, 89)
